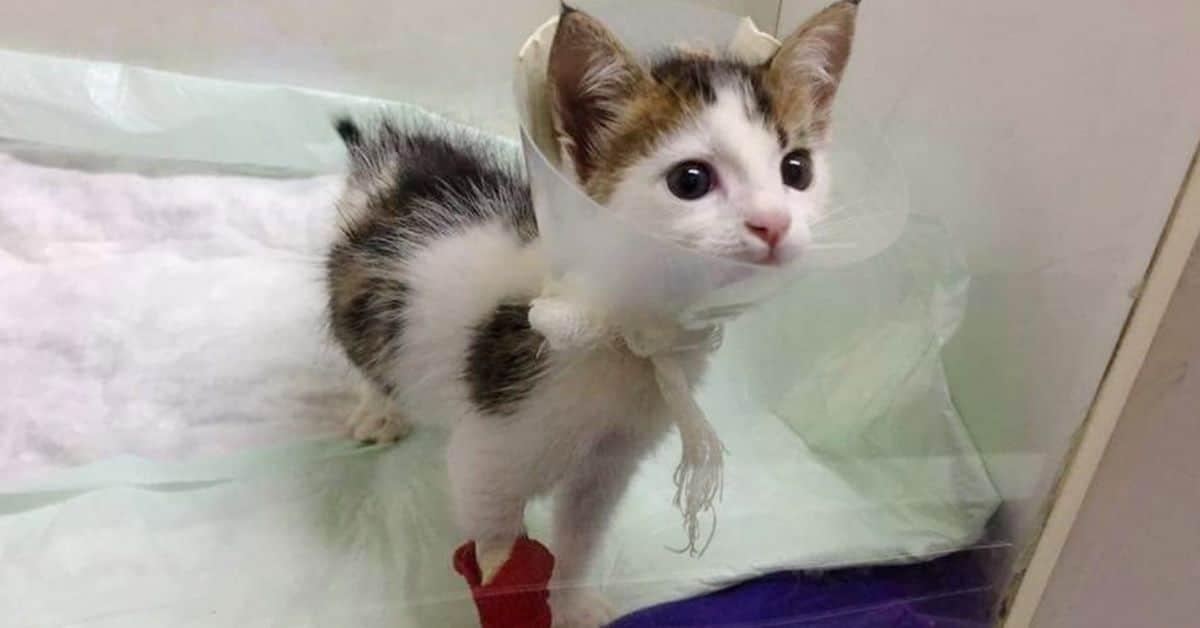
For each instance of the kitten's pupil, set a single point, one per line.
(689, 180)
(796, 169)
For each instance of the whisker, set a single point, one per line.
(840, 210)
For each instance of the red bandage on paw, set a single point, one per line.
(517, 596)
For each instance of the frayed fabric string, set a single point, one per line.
(699, 476)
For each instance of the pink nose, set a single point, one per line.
(769, 228)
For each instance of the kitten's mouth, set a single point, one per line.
(771, 258)
(776, 257)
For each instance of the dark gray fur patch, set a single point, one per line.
(703, 75)
(420, 184)
(504, 361)
(475, 178)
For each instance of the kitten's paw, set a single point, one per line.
(491, 556)
(580, 609)
(369, 425)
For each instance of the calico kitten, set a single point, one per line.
(431, 284)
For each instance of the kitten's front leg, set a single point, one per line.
(490, 490)
(583, 508)
(567, 326)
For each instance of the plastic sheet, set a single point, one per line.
(844, 446)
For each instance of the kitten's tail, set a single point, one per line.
(363, 180)
(374, 148)
(348, 130)
(356, 144)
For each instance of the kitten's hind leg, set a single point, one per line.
(377, 419)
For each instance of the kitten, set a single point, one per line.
(431, 284)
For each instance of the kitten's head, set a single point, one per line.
(716, 154)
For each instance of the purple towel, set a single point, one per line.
(950, 592)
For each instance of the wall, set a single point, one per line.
(1133, 556)
(1052, 138)
(452, 56)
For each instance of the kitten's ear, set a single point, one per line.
(804, 74)
(591, 79)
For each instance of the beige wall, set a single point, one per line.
(1133, 556)
(451, 56)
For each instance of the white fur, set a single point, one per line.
(745, 155)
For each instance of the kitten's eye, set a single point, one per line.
(690, 180)
(796, 169)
